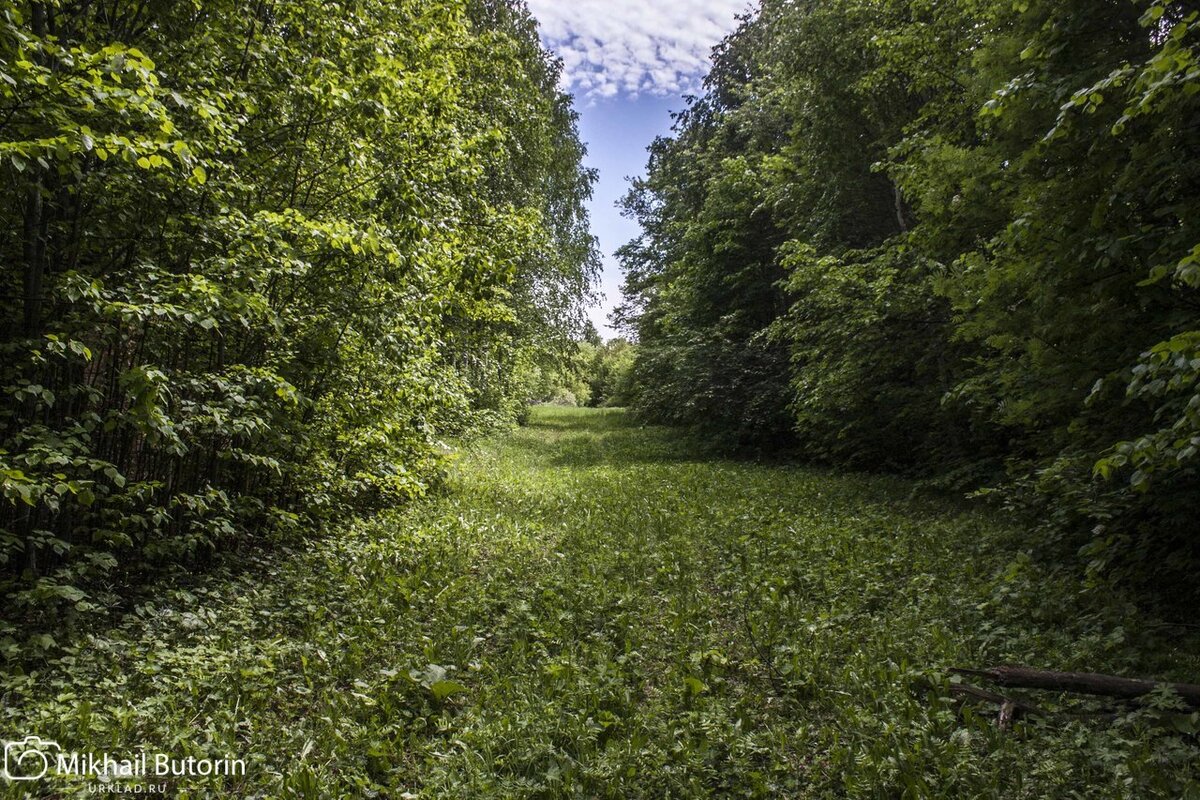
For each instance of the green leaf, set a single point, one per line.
(445, 688)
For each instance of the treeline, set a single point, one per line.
(258, 259)
(955, 239)
(594, 373)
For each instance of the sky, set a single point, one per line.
(628, 64)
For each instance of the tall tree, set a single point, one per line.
(260, 258)
(972, 229)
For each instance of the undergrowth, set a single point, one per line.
(593, 610)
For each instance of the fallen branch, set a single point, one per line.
(1081, 682)
(974, 692)
(1010, 708)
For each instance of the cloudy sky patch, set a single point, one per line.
(634, 47)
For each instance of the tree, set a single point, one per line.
(259, 260)
(946, 238)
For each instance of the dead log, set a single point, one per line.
(1080, 682)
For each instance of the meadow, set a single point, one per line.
(595, 608)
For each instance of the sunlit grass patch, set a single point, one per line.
(593, 611)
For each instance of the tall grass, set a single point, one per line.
(593, 610)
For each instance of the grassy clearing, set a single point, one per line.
(595, 612)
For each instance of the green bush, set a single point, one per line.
(257, 263)
(955, 239)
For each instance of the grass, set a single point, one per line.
(595, 611)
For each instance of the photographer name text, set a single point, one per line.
(33, 758)
(141, 765)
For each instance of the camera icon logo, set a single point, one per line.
(28, 759)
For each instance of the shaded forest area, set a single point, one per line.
(956, 240)
(259, 261)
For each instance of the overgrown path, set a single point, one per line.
(593, 610)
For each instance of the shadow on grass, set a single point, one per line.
(579, 420)
(609, 437)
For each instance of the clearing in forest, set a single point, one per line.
(595, 609)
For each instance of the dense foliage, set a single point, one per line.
(598, 374)
(596, 611)
(258, 260)
(592, 372)
(952, 238)
(609, 372)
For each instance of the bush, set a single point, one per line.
(248, 283)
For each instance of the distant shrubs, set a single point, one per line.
(563, 397)
(610, 372)
(594, 373)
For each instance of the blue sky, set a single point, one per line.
(628, 64)
(617, 131)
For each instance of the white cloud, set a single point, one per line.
(611, 47)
